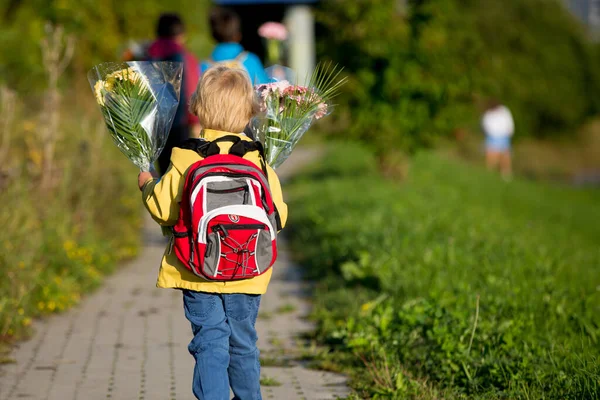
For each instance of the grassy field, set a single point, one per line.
(452, 284)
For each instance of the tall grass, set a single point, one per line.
(59, 239)
(453, 283)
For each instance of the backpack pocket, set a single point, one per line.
(224, 193)
(236, 246)
(237, 251)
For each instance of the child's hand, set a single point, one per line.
(144, 177)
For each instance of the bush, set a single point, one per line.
(423, 70)
(485, 289)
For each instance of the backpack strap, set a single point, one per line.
(241, 57)
(194, 144)
(238, 148)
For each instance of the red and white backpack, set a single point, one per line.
(228, 223)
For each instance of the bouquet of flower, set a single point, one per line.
(288, 110)
(138, 100)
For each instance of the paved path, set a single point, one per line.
(129, 340)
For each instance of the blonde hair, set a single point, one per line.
(224, 99)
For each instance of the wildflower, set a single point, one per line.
(68, 245)
(26, 321)
(21, 311)
(28, 126)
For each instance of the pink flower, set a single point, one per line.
(273, 30)
(321, 111)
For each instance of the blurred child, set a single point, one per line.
(226, 30)
(222, 314)
(498, 126)
(170, 47)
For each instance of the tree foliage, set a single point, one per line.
(420, 69)
(102, 29)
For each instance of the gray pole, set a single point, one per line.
(301, 26)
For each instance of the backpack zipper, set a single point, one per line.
(235, 175)
(238, 226)
(225, 191)
(225, 228)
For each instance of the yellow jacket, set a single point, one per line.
(162, 197)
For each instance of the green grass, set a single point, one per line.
(265, 315)
(286, 308)
(266, 381)
(453, 281)
(274, 361)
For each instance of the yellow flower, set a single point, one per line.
(41, 305)
(21, 311)
(99, 88)
(28, 126)
(26, 321)
(21, 264)
(51, 305)
(128, 74)
(68, 245)
(124, 75)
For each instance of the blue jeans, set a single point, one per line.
(224, 344)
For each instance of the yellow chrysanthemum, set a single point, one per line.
(128, 74)
(98, 91)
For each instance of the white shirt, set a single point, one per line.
(498, 122)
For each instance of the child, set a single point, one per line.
(222, 314)
(226, 30)
(170, 47)
(498, 126)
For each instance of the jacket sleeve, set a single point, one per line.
(162, 196)
(275, 187)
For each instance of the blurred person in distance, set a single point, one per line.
(136, 50)
(169, 46)
(498, 126)
(225, 27)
